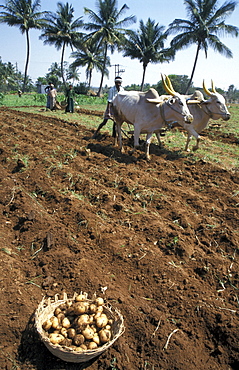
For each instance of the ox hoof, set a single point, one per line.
(195, 148)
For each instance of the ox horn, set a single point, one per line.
(170, 84)
(166, 87)
(205, 89)
(189, 101)
(213, 87)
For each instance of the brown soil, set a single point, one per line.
(162, 236)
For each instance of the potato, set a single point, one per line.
(81, 298)
(88, 332)
(78, 349)
(66, 342)
(91, 319)
(64, 332)
(57, 311)
(78, 339)
(71, 333)
(94, 328)
(92, 308)
(47, 325)
(66, 323)
(99, 301)
(96, 339)
(83, 319)
(79, 308)
(56, 338)
(60, 316)
(104, 335)
(55, 323)
(84, 347)
(101, 321)
(92, 345)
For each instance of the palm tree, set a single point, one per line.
(203, 28)
(24, 14)
(73, 74)
(90, 56)
(61, 30)
(108, 29)
(147, 45)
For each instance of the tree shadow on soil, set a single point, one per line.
(32, 350)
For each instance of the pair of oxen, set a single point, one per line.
(150, 113)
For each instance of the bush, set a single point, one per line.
(81, 88)
(1, 98)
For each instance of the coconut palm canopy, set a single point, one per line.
(147, 45)
(204, 26)
(107, 28)
(62, 30)
(24, 14)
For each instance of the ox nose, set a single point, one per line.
(227, 117)
(189, 118)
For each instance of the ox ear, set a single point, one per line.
(205, 89)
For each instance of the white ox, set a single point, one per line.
(214, 108)
(202, 110)
(148, 112)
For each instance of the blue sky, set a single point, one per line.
(222, 70)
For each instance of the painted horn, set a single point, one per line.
(166, 87)
(170, 84)
(205, 89)
(189, 101)
(213, 87)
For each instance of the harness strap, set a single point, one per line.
(209, 112)
(168, 124)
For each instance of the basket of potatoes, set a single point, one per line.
(78, 329)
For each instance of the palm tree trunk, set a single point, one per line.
(194, 66)
(103, 71)
(142, 83)
(90, 76)
(27, 60)
(62, 61)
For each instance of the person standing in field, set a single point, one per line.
(52, 93)
(70, 99)
(47, 89)
(108, 112)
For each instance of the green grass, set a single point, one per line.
(34, 99)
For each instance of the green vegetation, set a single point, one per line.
(34, 99)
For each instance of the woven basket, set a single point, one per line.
(46, 310)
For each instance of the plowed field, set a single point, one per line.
(158, 240)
